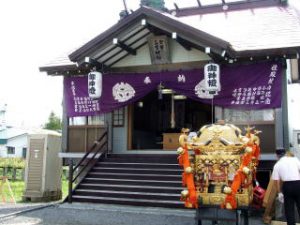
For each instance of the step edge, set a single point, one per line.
(133, 174)
(129, 192)
(135, 168)
(132, 186)
(110, 179)
(140, 163)
(128, 199)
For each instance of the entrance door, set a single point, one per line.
(152, 119)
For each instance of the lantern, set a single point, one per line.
(95, 84)
(212, 77)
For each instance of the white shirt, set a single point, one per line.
(287, 169)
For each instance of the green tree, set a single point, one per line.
(54, 122)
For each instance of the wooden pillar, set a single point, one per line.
(284, 104)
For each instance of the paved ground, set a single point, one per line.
(10, 208)
(89, 214)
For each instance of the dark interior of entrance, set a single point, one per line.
(152, 119)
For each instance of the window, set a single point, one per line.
(24, 152)
(78, 120)
(233, 115)
(118, 117)
(89, 120)
(96, 120)
(10, 150)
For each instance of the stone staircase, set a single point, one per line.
(129, 179)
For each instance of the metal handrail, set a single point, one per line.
(86, 164)
(84, 167)
(91, 149)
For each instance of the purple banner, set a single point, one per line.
(256, 86)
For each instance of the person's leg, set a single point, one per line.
(297, 196)
(289, 203)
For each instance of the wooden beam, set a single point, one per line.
(184, 43)
(115, 54)
(119, 59)
(90, 62)
(181, 41)
(129, 37)
(125, 47)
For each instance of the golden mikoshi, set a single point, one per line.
(222, 168)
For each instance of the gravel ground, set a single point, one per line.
(89, 214)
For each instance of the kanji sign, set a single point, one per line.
(159, 50)
(212, 77)
(95, 84)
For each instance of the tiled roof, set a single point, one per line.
(256, 29)
(60, 61)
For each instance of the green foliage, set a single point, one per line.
(64, 188)
(12, 162)
(54, 122)
(17, 188)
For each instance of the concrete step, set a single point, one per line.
(128, 194)
(139, 165)
(129, 158)
(107, 169)
(126, 181)
(153, 176)
(128, 201)
(143, 180)
(135, 188)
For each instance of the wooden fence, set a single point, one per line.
(12, 173)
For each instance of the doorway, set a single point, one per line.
(156, 117)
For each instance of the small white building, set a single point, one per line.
(13, 142)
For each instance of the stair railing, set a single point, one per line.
(98, 150)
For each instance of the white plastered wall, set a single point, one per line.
(178, 54)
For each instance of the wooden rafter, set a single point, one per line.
(118, 52)
(181, 41)
(184, 43)
(124, 56)
(90, 63)
(126, 39)
(125, 47)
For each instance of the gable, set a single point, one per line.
(131, 34)
(178, 54)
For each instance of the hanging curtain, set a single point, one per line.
(256, 86)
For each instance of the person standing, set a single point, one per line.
(286, 174)
(269, 200)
